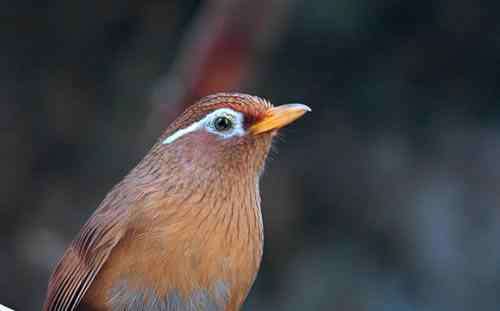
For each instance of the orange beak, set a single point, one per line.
(279, 117)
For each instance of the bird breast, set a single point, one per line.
(186, 254)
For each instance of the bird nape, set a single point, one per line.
(183, 230)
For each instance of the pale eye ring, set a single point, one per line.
(223, 124)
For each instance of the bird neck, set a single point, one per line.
(208, 220)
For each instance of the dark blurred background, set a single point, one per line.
(385, 197)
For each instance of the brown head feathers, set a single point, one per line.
(252, 107)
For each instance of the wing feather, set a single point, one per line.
(86, 255)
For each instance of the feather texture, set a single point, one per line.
(86, 255)
(185, 220)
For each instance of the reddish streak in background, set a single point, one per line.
(218, 52)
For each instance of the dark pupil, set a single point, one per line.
(222, 124)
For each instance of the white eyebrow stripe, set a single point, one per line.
(179, 133)
(238, 126)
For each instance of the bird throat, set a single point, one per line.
(198, 235)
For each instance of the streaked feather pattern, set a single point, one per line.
(174, 228)
(86, 255)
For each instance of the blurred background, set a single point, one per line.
(385, 197)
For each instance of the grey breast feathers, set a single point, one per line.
(122, 298)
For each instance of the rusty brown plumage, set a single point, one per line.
(183, 230)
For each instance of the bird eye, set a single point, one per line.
(223, 124)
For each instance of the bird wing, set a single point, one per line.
(82, 261)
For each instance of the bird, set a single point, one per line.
(183, 229)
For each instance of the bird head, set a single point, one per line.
(226, 131)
